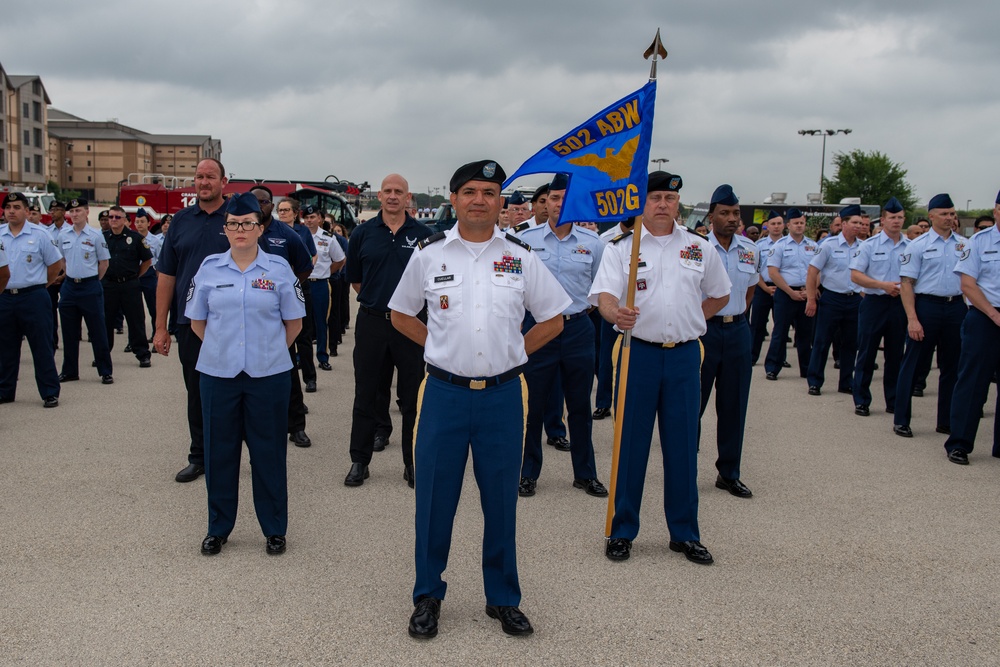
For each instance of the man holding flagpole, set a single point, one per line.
(680, 283)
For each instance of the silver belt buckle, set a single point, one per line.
(477, 384)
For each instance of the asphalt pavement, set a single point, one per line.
(858, 548)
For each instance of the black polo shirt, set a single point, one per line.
(376, 258)
(193, 236)
(128, 251)
(280, 239)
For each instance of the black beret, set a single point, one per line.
(57, 204)
(662, 181)
(79, 202)
(34, 208)
(103, 214)
(15, 196)
(484, 170)
(542, 190)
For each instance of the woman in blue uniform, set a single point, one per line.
(247, 307)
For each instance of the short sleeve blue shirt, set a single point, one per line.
(763, 252)
(193, 236)
(82, 250)
(931, 259)
(792, 259)
(833, 259)
(981, 260)
(741, 262)
(573, 260)
(244, 313)
(878, 258)
(29, 254)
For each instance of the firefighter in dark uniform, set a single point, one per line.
(130, 259)
(33, 261)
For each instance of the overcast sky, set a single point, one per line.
(300, 89)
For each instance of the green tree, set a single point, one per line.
(872, 176)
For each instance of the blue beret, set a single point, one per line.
(141, 213)
(849, 211)
(724, 195)
(309, 209)
(517, 199)
(940, 201)
(772, 214)
(893, 206)
(793, 213)
(542, 190)
(483, 170)
(662, 181)
(242, 204)
(79, 202)
(559, 182)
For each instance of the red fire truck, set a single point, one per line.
(160, 195)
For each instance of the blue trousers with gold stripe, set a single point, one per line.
(663, 383)
(453, 420)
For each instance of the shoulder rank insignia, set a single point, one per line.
(622, 236)
(518, 228)
(430, 239)
(516, 241)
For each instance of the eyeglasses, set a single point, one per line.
(246, 225)
(116, 217)
(284, 210)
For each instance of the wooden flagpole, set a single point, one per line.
(655, 50)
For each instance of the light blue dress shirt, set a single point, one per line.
(573, 260)
(82, 250)
(244, 313)
(792, 259)
(29, 254)
(931, 260)
(741, 264)
(878, 258)
(833, 259)
(981, 260)
(763, 252)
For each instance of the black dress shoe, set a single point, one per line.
(693, 551)
(785, 364)
(93, 364)
(119, 331)
(814, 391)
(408, 475)
(68, 378)
(836, 365)
(891, 411)
(300, 439)
(212, 545)
(526, 487)
(50, 402)
(357, 475)
(145, 363)
(325, 366)
(845, 390)
(311, 387)
(128, 348)
(190, 473)
(305, 409)
(618, 548)
(593, 487)
(862, 410)
(275, 545)
(602, 413)
(381, 442)
(735, 487)
(917, 392)
(771, 376)
(959, 457)
(333, 352)
(943, 430)
(8, 399)
(424, 619)
(511, 620)
(559, 442)
(902, 431)
(107, 379)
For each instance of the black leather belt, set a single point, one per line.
(473, 383)
(582, 313)
(23, 290)
(727, 319)
(940, 299)
(375, 313)
(668, 346)
(119, 281)
(769, 284)
(81, 280)
(797, 287)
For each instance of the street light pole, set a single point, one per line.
(659, 162)
(822, 164)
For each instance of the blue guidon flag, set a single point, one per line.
(606, 159)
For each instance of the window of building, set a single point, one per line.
(24, 109)
(88, 179)
(36, 87)
(36, 108)
(38, 137)
(27, 165)
(39, 167)
(88, 163)
(88, 147)
(69, 178)
(3, 160)
(27, 137)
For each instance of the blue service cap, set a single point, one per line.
(794, 213)
(940, 201)
(506, 202)
(724, 195)
(517, 199)
(242, 204)
(849, 211)
(998, 197)
(483, 170)
(772, 214)
(662, 181)
(559, 182)
(141, 213)
(893, 206)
